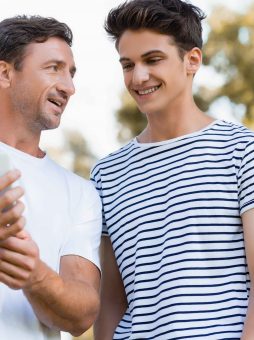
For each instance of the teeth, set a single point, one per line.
(55, 102)
(152, 89)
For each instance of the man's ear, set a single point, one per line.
(193, 60)
(5, 74)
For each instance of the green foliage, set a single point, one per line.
(82, 159)
(74, 154)
(131, 120)
(230, 51)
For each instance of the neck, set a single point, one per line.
(174, 123)
(20, 139)
(23, 146)
(15, 131)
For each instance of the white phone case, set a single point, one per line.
(5, 163)
(5, 166)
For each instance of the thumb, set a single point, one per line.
(24, 235)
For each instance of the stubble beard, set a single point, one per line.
(35, 120)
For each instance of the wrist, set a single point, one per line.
(38, 278)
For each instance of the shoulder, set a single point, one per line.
(75, 184)
(113, 158)
(230, 135)
(234, 130)
(239, 139)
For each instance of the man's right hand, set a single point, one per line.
(11, 208)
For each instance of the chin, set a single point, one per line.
(148, 110)
(50, 125)
(49, 121)
(54, 125)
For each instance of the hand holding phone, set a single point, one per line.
(5, 166)
(5, 163)
(11, 207)
(7, 182)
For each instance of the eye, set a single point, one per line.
(153, 60)
(53, 67)
(127, 67)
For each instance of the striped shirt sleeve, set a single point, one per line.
(246, 179)
(96, 180)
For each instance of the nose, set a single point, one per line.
(66, 85)
(140, 75)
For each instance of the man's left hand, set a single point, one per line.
(19, 259)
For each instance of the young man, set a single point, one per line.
(50, 219)
(178, 199)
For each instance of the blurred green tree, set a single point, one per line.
(74, 154)
(82, 158)
(229, 50)
(131, 120)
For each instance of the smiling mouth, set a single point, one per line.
(56, 102)
(147, 91)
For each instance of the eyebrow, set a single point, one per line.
(73, 69)
(147, 54)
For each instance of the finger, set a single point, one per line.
(9, 178)
(10, 216)
(11, 259)
(13, 230)
(10, 281)
(26, 247)
(10, 197)
(24, 235)
(16, 271)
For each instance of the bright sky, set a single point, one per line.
(99, 78)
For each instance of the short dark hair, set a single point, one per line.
(176, 18)
(19, 31)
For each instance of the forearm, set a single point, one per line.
(113, 298)
(65, 305)
(248, 330)
(108, 319)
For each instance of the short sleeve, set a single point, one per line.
(84, 235)
(96, 180)
(246, 179)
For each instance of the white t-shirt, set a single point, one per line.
(63, 214)
(173, 210)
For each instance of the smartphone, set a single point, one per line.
(5, 166)
(5, 163)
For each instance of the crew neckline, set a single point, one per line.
(23, 155)
(172, 140)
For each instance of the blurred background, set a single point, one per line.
(101, 116)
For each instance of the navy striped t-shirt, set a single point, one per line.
(172, 211)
